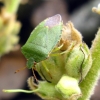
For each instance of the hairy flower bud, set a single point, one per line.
(78, 61)
(69, 65)
(51, 69)
(68, 88)
(45, 90)
(75, 60)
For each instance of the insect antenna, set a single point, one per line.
(20, 69)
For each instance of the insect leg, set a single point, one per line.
(34, 75)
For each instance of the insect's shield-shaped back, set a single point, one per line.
(67, 66)
(42, 40)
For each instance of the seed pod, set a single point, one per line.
(42, 40)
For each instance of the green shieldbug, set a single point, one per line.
(42, 40)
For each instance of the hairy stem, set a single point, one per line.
(19, 90)
(11, 5)
(88, 84)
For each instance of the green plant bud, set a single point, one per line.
(68, 88)
(11, 5)
(78, 61)
(44, 89)
(51, 69)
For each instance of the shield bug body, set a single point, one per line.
(42, 40)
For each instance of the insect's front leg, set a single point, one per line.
(34, 69)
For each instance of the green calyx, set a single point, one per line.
(44, 89)
(68, 87)
(78, 61)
